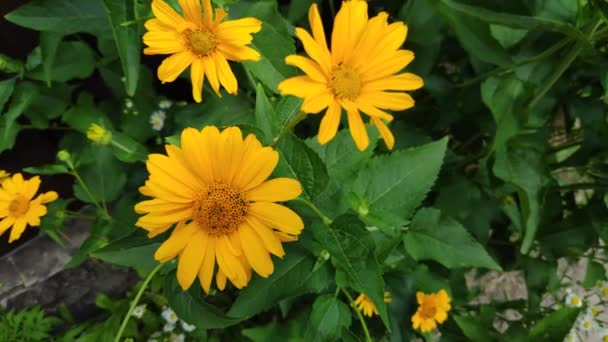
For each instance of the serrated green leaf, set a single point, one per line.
(190, 307)
(328, 317)
(62, 16)
(299, 161)
(437, 237)
(352, 252)
(395, 185)
(291, 277)
(127, 39)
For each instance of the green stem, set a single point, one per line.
(314, 208)
(553, 49)
(74, 173)
(299, 117)
(125, 320)
(361, 319)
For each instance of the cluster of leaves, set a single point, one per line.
(26, 325)
(508, 137)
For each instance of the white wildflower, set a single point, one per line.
(138, 311)
(157, 120)
(188, 327)
(169, 316)
(165, 104)
(177, 338)
(129, 103)
(168, 327)
(573, 299)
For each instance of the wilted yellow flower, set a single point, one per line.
(18, 209)
(99, 134)
(433, 308)
(365, 305)
(214, 188)
(201, 42)
(358, 74)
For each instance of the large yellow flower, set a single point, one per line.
(433, 308)
(198, 40)
(357, 74)
(365, 305)
(18, 208)
(214, 187)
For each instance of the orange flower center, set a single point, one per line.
(345, 83)
(201, 42)
(428, 309)
(19, 206)
(219, 209)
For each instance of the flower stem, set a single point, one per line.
(314, 208)
(361, 319)
(125, 320)
(297, 118)
(84, 186)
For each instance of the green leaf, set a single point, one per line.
(595, 273)
(396, 184)
(475, 329)
(503, 97)
(6, 90)
(437, 237)
(105, 178)
(24, 94)
(190, 307)
(126, 149)
(292, 276)
(474, 35)
(554, 326)
(73, 60)
(49, 44)
(62, 16)
(127, 38)
(343, 162)
(96, 240)
(506, 36)
(517, 21)
(265, 116)
(352, 251)
(298, 161)
(524, 166)
(291, 330)
(328, 317)
(135, 250)
(84, 113)
(49, 169)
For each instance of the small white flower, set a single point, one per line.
(165, 104)
(573, 300)
(188, 327)
(168, 327)
(169, 316)
(129, 103)
(154, 337)
(177, 338)
(587, 323)
(602, 287)
(603, 334)
(157, 120)
(138, 311)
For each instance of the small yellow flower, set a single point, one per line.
(18, 207)
(215, 189)
(201, 42)
(358, 73)
(365, 305)
(433, 308)
(99, 135)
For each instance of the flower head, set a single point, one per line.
(365, 305)
(157, 120)
(433, 308)
(138, 311)
(18, 207)
(602, 287)
(573, 300)
(359, 73)
(200, 40)
(165, 104)
(169, 316)
(99, 135)
(214, 189)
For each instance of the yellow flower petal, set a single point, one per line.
(310, 67)
(18, 228)
(256, 253)
(225, 75)
(6, 223)
(163, 42)
(349, 23)
(174, 65)
(277, 216)
(197, 76)
(190, 260)
(205, 274)
(316, 25)
(180, 236)
(256, 168)
(238, 53)
(329, 123)
(302, 86)
(405, 81)
(166, 14)
(317, 103)
(314, 50)
(275, 190)
(385, 133)
(386, 100)
(192, 10)
(211, 72)
(357, 127)
(270, 239)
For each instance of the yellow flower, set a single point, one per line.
(358, 73)
(201, 42)
(433, 308)
(214, 188)
(18, 207)
(365, 305)
(98, 134)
